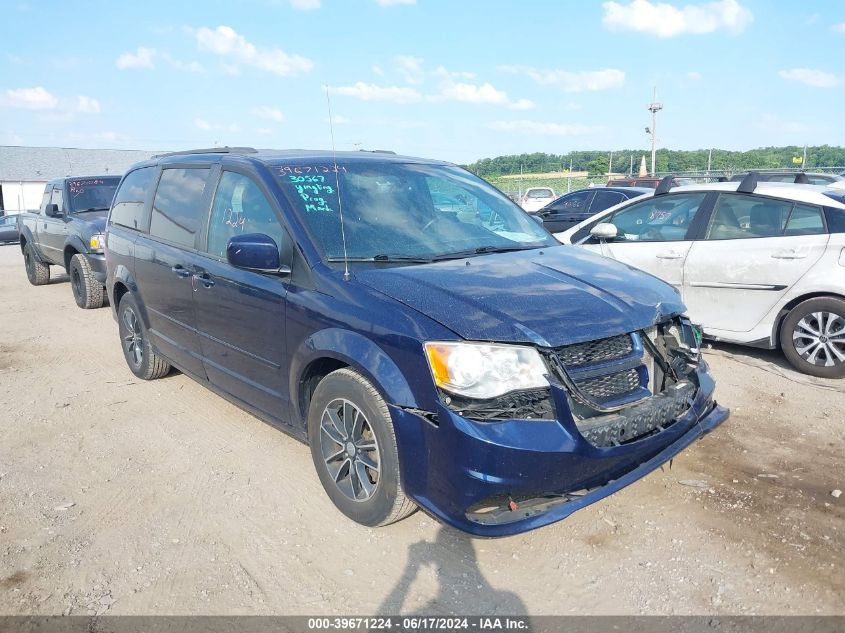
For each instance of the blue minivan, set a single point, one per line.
(453, 358)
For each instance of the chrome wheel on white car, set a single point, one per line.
(813, 337)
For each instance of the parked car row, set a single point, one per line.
(756, 262)
(433, 344)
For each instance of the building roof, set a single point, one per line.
(40, 164)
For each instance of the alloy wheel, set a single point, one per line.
(819, 338)
(133, 342)
(349, 449)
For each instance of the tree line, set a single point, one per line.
(598, 162)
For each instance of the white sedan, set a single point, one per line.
(760, 264)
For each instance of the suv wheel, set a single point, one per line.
(813, 337)
(87, 291)
(354, 449)
(140, 357)
(37, 273)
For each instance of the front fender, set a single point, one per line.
(122, 275)
(75, 242)
(356, 351)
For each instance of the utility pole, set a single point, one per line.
(804, 160)
(654, 107)
(631, 168)
(709, 160)
(610, 165)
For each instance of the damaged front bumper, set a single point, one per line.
(496, 477)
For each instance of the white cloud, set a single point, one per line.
(30, 99)
(266, 112)
(572, 81)
(665, 20)
(411, 68)
(393, 3)
(811, 77)
(839, 27)
(485, 93)
(378, 70)
(305, 5)
(193, 66)
(547, 129)
(228, 43)
(87, 105)
(769, 122)
(694, 75)
(371, 92)
(340, 120)
(202, 124)
(141, 58)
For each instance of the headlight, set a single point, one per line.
(97, 242)
(482, 371)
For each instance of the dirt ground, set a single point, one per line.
(132, 497)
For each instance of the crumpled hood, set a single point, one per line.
(566, 295)
(91, 222)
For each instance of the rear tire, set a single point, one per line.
(135, 341)
(354, 449)
(37, 273)
(812, 337)
(87, 291)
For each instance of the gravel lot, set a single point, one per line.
(132, 497)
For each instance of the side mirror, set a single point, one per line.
(52, 210)
(604, 231)
(256, 252)
(537, 218)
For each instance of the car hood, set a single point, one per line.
(558, 296)
(91, 222)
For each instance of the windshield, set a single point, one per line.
(91, 193)
(395, 211)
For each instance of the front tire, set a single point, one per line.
(135, 341)
(87, 291)
(37, 272)
(353, 446)
(812, 337)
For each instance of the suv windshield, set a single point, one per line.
(406, 211)
(91, 193)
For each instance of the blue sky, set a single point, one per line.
(452, 80)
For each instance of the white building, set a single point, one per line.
(25, 170)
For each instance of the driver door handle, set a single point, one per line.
(203, 278)
(788, 254)
(180, 271)
(669, 255)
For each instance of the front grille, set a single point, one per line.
(595, 351)
(611, 385)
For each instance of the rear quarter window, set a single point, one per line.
(128, 205)
(835, 219)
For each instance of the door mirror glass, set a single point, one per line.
(604, 231)
(52, 210)
(256, 252)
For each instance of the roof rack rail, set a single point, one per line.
(664, 185)
(378, 151)
(749, 183)
(211, 150)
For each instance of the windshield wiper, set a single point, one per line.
(384, 258)
(91, 209)
(482, 250)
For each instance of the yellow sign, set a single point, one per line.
(797, 160)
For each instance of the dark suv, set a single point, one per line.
(463, 362)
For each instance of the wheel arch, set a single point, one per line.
(73, 246)
(792, 303)
(328, 350)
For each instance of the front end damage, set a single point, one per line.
(616, 409)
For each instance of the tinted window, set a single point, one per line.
(128, 205)
(805, 220)
(605, 200)
(91, 193)
(539, 193)
(240, 207)
(56, 198)
(572, 202)
(738, 216)
(177, 209)
(661, 219)
(835, 219)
